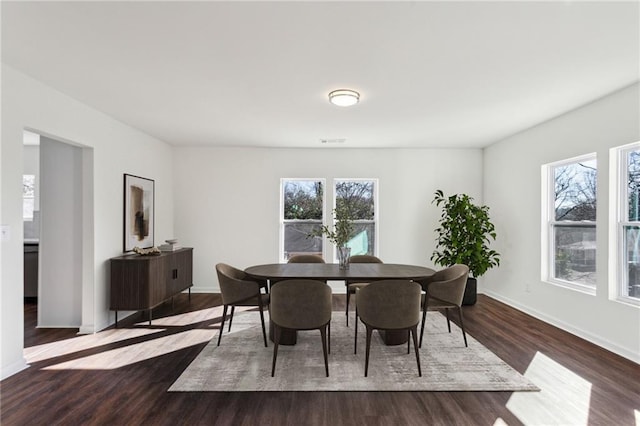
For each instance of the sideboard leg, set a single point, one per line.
(116, 319)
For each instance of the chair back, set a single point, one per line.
(364, 258)
(233, 286)
(390, 304)
(300, 304)
(306, 258)
(449, 284)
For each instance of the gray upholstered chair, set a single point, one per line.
(445, 290)
(352, 286)
(239, 290)
(301, 305)
(390, 305)
(306, 258)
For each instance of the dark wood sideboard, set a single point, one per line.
(143, 282)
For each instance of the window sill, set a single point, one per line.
(634, 303)
(591, 291)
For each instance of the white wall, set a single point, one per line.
(512, 188)
(117, 149)
(61, 251)
(227, 199)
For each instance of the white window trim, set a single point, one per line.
(617, 214)
(376, 208)
(282, 221)
(548, 222)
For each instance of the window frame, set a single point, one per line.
(550, 226)
(619, 213)
(283, 221)
(376, 216)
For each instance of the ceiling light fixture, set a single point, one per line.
(344, 97)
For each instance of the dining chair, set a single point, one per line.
(238, 289)
(301, 305)
(389, 305)
(445, 290)
(352, 286)
(305, 258)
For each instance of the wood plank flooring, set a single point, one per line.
(121, 377)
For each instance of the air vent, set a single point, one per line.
(335, 140)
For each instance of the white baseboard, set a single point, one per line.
(14, 368)
(87, 329)
(586, 335)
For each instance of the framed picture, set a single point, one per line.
(138, 212)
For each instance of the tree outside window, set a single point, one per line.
(358, 196)
(630, 226)
(302, 214)
(573, 223)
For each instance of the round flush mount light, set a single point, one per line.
(344, 97)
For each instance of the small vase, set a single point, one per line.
(343, 257)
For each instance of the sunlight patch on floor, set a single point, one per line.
(563, 399)
(59, 348)
(84, 342)
(189, 318)
(637, 413)
(130, 354)
(500, 422)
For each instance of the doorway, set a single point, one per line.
(62, 230)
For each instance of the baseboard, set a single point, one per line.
(87, 329)
(583, 334)
(14, 368)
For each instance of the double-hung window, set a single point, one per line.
(571, 223)
(302, 213)
(359, 196)
(628, 223)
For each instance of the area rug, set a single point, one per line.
(242, 364)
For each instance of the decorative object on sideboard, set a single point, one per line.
(153, 251)
(138, 212)
(171, 245)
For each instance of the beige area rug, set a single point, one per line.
(241, 363)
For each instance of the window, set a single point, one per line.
(302, 213)
(571, 223)
(628, 227)
(28, 196)
(359, 196)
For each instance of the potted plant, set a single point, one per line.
(463, 236)
(340, 235)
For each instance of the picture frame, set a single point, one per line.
(139, 211)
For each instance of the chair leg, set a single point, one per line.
(276, 340)
(233, 309)
(446, 311)
(414, 332)
(224, 315)
(464, 335)
(355, 340)
(329, 336)
(264, 330)
(323, 334)
(424, 320)
(346, 310)
(366, 358)
(409, 342)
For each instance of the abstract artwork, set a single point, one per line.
(138, 212)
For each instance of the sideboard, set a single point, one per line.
(143, 282)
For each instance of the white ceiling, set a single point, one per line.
(430, 74)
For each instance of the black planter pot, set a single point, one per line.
(470, 292)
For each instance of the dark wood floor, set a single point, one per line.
(137, 394)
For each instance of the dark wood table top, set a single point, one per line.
(331, 271)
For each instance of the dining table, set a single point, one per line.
(358, 272)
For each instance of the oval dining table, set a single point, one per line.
(364, 272)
